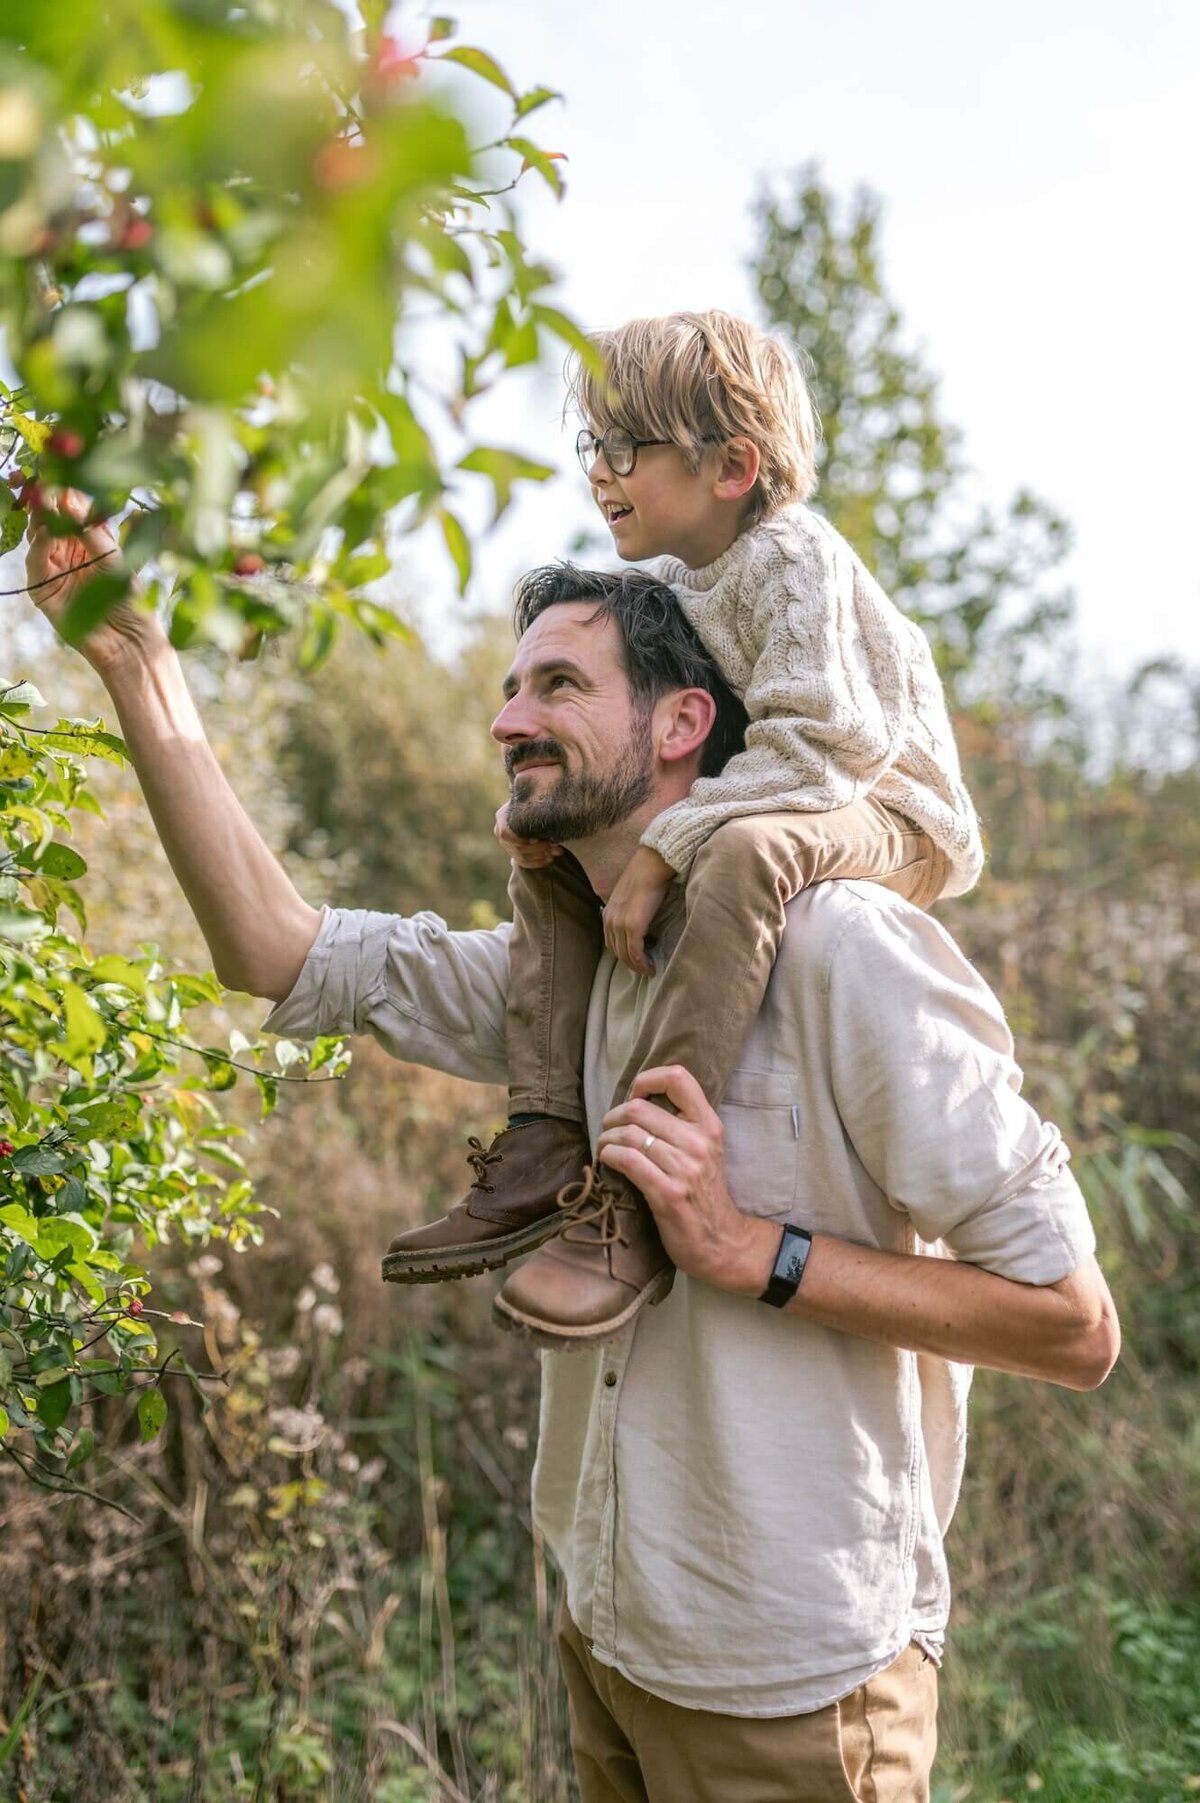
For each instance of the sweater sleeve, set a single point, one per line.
(828, 698)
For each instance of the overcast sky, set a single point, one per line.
(1037, 163)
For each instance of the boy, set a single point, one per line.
(699, 446)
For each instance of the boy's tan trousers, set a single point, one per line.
(874, 1746)
(712, 989)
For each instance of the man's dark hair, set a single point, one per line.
(659, 648)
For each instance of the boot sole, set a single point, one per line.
(569, 1339)
(449, 1262)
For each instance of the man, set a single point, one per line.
(747, 1490)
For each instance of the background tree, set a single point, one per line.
(892, 472)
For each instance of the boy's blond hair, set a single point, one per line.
(698, 379)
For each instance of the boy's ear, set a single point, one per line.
(738, 464)
(684, 722)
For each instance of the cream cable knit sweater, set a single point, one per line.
(841, 689)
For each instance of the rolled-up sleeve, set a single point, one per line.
(929, 1091)
(427, 994)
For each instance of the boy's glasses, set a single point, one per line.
(618, 448)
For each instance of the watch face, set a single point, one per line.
(793, 1270)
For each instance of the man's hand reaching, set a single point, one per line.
(640, 892)
(70, 557)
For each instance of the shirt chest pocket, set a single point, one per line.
(761, 1118)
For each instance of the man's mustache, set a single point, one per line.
(534, 751)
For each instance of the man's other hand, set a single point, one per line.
(681, 1173)
(530, 854)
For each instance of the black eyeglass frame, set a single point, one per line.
(588, 447)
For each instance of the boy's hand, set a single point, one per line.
(530, 854)
(639, 894)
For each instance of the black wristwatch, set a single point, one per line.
(790, 1261)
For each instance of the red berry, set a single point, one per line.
(249, 564)
(6, 1148)
(32, 498)
(134, 1306)
(393, 62)
(65, 443)
(341, 164)
(137, 234)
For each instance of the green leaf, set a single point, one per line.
(54, 1403)
(20, 1222)
(536, 97)
(111, 969)
(38, 1161)
(3, 1422)
(84, 1031)
(12, 531)
(86, 741)
(18, 925)
(94, 602)
(569, 332)
(54, 860)
(534, 157)
(84, 1447)
(72, 1197)
(458, 545)
(61, 1231)
(152, 1412)
(19, 697)
(503, 468)
(442, 28)
(480, 63)
(110, 1117)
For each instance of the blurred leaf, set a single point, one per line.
(480, 63)
(503, 469)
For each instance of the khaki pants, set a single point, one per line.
(712, 989)
(874, 1746)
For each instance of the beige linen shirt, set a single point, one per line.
(748, 1509)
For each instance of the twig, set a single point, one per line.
(224, 1058)
(31, 587)
(65, 1489)
(427, 1759)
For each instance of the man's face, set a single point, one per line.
(577, 749)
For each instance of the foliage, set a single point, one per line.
(220, 227)
(111, 1144)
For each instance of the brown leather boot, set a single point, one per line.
(595, 1276)
(510, 1208)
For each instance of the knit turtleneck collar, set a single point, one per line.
(677, 574)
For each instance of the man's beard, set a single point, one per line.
(580, 804)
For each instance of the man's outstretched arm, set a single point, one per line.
(258, 927)
(1064, 1332)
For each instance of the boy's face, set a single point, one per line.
(663, 509)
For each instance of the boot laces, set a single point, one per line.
(593, 1206)
(481, 1158)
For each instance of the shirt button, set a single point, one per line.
(610, 1378)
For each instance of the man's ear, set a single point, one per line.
(683, 720)
(738, 464)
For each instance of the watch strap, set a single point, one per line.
(794, 1246)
